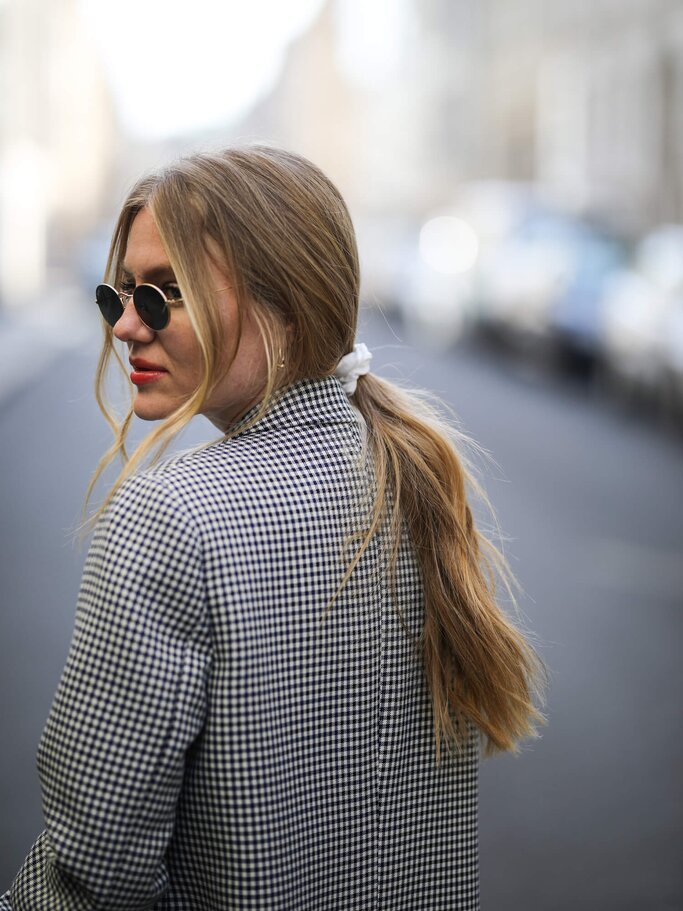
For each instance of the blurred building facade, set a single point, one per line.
(587, 98)
(584, 98)
(57, 141)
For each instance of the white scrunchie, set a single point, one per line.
(354, 364)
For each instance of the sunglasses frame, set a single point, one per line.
(142, 309)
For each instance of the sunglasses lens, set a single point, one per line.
(151, 306)
(109, 303)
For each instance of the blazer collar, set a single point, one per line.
(320, 401)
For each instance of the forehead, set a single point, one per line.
(144, 250)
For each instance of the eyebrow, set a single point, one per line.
(156, 273)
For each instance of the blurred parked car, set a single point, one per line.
(641, 318)
(519, 277)
(438, 298)
(671, 381)
(575, 318)
(543, 283)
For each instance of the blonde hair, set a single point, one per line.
(279, 228)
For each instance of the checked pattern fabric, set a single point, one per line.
(218, 741)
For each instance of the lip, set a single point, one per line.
(139, 364)
(144, 371)
(142, 377)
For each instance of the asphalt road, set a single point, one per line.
(590, 501)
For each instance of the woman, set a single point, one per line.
(287, 645)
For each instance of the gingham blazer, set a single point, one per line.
(217, 741)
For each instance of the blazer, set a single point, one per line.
(217, 740)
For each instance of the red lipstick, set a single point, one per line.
(144, 371)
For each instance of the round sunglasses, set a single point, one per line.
(151, 305)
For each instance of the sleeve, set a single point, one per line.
(131, 700)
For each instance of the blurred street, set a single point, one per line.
(589, 499)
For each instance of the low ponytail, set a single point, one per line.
(478, 665)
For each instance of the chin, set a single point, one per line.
(148, 410)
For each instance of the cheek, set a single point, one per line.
(186, 354)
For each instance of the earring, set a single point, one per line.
(281, 360)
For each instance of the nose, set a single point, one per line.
(130, 328)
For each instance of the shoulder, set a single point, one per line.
(190, 480)
(147, 513)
